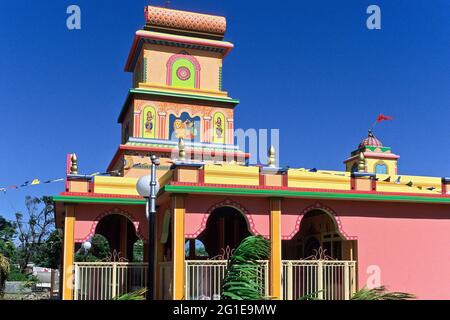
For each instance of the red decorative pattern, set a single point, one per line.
(183, 73)
(109, 212)
(190, 21)
(225, 203)
(329, 211)
(211, 185)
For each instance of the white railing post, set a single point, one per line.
(289, 280)
(114, 281)
(188, 281)
(320, 279)
(353, 277)
(77, 282)
(346, 281)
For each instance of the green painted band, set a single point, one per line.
(181, 95)
(303, 194)
(80, 199)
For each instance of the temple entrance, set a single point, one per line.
(318, 238)
(121, 235)
(207, 255)
(319, 260)
(225, 229)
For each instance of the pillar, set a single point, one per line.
(124, 238)
(69, 251)
(159, 253)
(137, 125)
(178, 209)
(275, 249)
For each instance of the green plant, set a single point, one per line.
(4, 271)
(380, 293)
(16, 275)
(136, 295)
(242, 279)
(99, 252)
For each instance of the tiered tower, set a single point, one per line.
(372, 157)
(177, 93)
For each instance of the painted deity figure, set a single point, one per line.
(185, 130)
(219, 128)
(149, 122)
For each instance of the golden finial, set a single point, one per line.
(181, 151)
(272, 159)
(362, 163)
(74, 164)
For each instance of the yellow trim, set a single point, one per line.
(115, 185)
(232, 174)
(275, 252)
(69, 251)
(319, 180)
(159, 87)
(178, 207)
(424, 182)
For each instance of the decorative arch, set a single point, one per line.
(226, 203)
(219, 128)
(149, 122)
(330, 212)
(183, 70)
(117, 211)
(381, 167)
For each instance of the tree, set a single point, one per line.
(4, 271)
(99, 251)
(7, 235)
(138, 251)
(34, 229)
(49, 253)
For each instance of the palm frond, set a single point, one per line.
(244, 276)
(4, 264)
(136, 295)
(380, 293)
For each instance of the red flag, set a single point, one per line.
(382, 117)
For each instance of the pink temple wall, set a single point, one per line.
(88, 215)
(409, 244)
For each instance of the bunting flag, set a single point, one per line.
(409, 184)
(313, 170)
(388, 179)
(35, 182)
(26, 183)
(398, 180)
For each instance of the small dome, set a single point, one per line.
(370, 141)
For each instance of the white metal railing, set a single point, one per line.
(108, 280)
(322, 279)
(165, 281)
(204, 278)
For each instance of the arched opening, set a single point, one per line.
(318, 238)
(183, 71)
(120, 233)
(225, 229)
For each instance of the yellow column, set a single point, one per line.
(178, 209)
(69, 250)
(275, 252)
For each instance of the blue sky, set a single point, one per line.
(309, 68)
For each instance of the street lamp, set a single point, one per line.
(148, 187)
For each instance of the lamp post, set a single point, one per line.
(148, 187)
